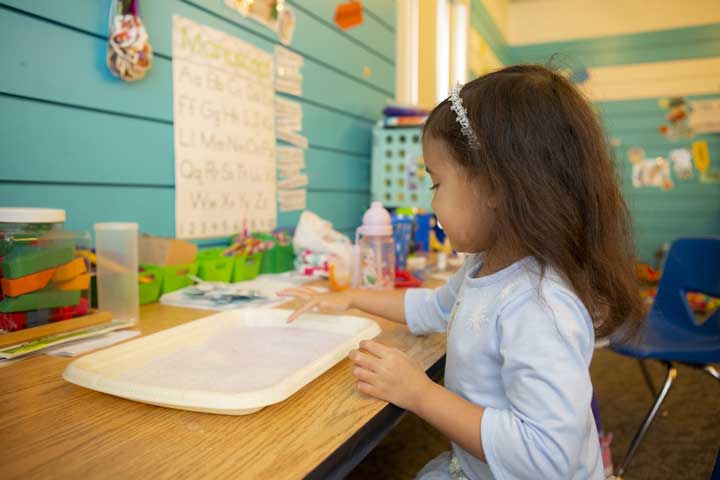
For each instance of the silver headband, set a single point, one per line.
(461, 116)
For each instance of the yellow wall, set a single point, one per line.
(427, 61)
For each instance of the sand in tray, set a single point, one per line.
(238, 359)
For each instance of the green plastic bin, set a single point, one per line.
(246, 267)
(278, 259)
(213, 266)
(174, 277)
(150, 292)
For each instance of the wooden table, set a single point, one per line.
(52, 429)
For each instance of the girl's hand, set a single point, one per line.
(388, 374)
(336, 302)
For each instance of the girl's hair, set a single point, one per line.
(543, 152)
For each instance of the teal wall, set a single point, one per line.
(74, 137)
(691, 208)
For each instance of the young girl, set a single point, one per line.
(523, 183)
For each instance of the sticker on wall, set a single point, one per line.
(129, 53)
(701, 157)
(678, 120)
(274, 14)
(649, 172)
(681, 159)
(349, 15)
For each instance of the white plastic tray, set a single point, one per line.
(233, 363)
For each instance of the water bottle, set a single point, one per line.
(375, 250)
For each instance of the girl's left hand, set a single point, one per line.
(389, 374)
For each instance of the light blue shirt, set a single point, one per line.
(520, 346)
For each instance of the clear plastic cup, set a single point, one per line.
(116, 247)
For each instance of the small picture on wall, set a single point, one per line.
(274, 14)
(649, 172)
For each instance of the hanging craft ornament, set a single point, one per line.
(129, 54)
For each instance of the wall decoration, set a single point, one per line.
(129, 53)
(224, 125)
(649, 172)
(288, 71)
(348, 14)
(678, 125)
(681, 159)
(274, 14)
(705, 116)
(701, 158)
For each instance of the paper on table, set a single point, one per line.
(267, 286)
(76, 348)
(60, 338)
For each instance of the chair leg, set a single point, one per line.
(671, 375)
(712, 371)
(648, 378)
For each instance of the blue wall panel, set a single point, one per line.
(65, 121)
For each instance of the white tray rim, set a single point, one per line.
(214, 402)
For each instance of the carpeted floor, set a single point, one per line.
(682, 442)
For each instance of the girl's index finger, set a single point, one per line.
(305, 308)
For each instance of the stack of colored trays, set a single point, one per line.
(42, 283)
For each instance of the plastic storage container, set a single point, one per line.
(42, 277)
(213, 266)
(247, 267)
(150, 281)
(174, 277)
(278, 259)
(116, 246)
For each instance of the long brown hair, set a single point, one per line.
(544, 153)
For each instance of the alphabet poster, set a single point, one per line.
(224, 116)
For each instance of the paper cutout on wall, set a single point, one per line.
(701, 158)
(274, 14)
(682, 163)
(289, 122)
(291, 162)
(678, 120)
(654, 172)
(348, 14)
(224, 126)
(705, 116)
(701, 155)
(288, 71)
(291, 200)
